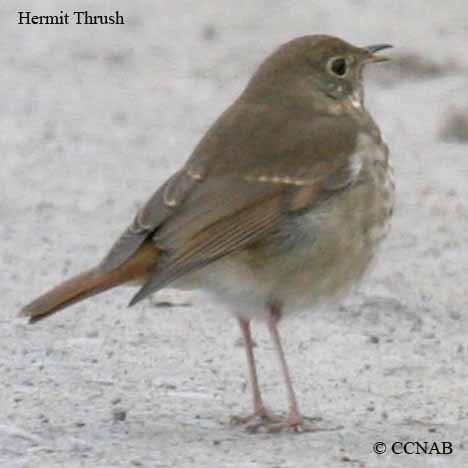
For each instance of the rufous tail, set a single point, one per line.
(92, 282)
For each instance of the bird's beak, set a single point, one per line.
(376, 48)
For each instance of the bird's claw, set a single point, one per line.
(262, 415)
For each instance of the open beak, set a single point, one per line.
(376, 48)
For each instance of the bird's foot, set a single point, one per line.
(295, 422)
(261, 416)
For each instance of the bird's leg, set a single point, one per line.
(294, 419)
(260, 410)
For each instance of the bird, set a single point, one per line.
(280, 208)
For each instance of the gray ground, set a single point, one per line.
(93, 119)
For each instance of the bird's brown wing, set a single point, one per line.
(161, 206)
(251, 169)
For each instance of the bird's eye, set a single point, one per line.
(338, 66)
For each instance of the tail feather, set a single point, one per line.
(92, 282)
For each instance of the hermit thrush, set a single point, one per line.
(280, 207)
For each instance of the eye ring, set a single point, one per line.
(338, 66)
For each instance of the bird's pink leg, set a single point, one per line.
(294, 419)
(260, 410)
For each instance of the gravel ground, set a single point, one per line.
(94, 118)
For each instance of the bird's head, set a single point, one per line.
(321, 67)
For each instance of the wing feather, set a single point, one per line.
(218, 240)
